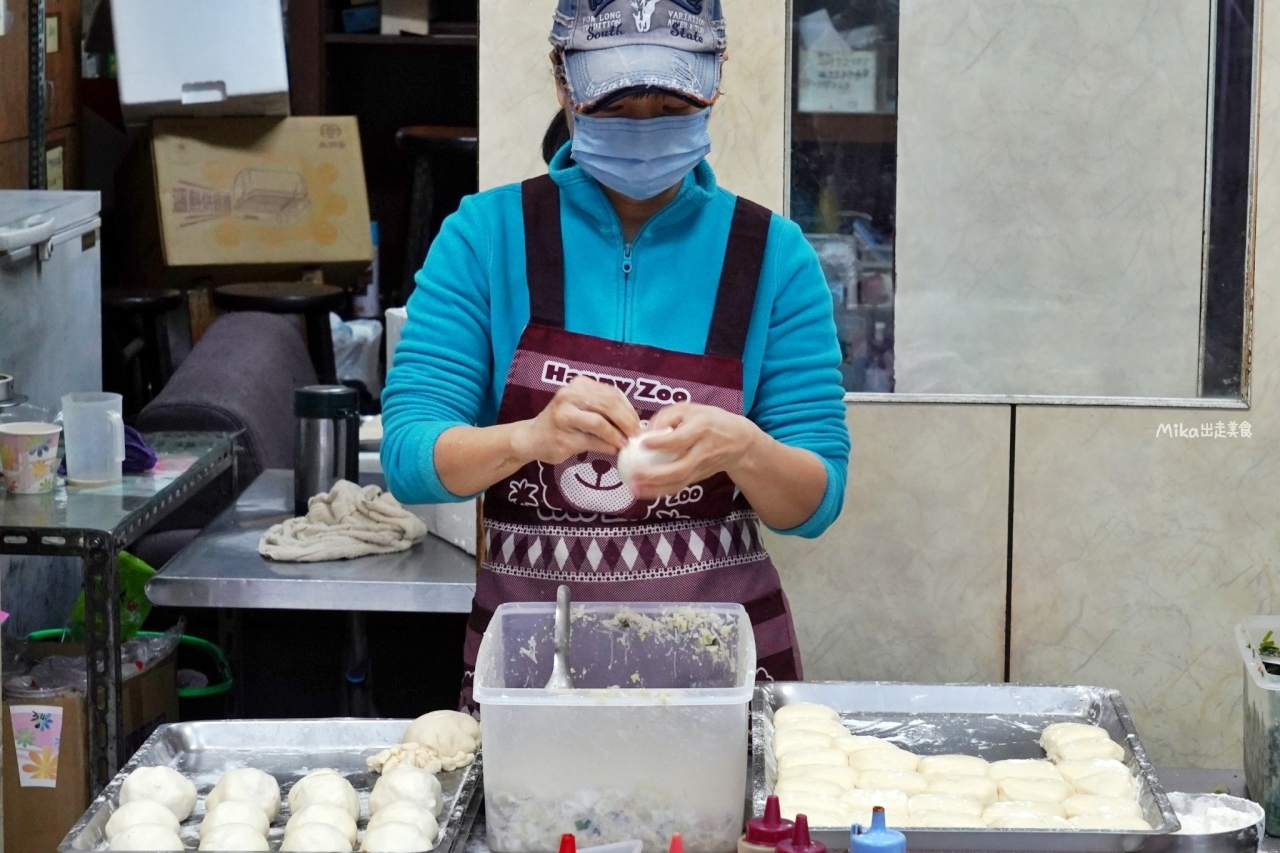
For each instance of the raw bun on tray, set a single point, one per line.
(1035, 790)
(1084, 805)
(945, 803)
(403, 811)
(845, 777)
(1074, 771)
(794, 740)
(235, 811)
(1106, 785)
(998, 811)
(857, 743)
(234, 837)
(942, 820)
(163, 785)
(804, 710)
(147, 836)
(1023, 768)
(953, 765)
(977, 788)
(440, 740)
(1060, 733)
(1110, 822)
(324, 786)
(827, 755)
(1085, 750)
(1026, 820)
(324, 813)
(247, 783)
(830, 728)
(821, 811)
(392, 837)
(906, 781)
(315, 837)
(888, 758)
(137, 813)
(407, 783)
(808, 785)
(863, 801)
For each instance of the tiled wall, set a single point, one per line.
(1132, 555)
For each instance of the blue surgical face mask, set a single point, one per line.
(641, 157)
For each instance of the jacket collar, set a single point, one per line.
(582, 191)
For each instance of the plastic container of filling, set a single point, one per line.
(651, 741)
(1261, 717)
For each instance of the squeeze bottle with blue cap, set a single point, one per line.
(877, 839)
(764, 833)
(799, 841)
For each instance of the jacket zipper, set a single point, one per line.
(626, 291)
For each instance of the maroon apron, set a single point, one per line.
(576, 523)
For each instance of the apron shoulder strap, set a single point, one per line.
(736, 296)
(543, 251)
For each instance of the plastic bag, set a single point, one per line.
(357, 346)
(134, 605)
(58, 674)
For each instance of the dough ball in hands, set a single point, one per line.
(406, 783)
(147, 836)
(997, 811)
(1023, 768)
(978, 788)
(324, 786)
(247, 783)
(892, 758)
(638, 456)
(945, 803)
(233, 838)
(316, 838)
(403, 811)
(162, 785)
(137, 813)
(1083, 805)
(953, 765)
(804, 710)
(906, 781)
(235, 811)
(393, 837)
(325, 813)
(1035, 790)
(452, 736)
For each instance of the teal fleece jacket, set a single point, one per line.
(471, 305)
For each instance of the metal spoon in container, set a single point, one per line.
(560, 679)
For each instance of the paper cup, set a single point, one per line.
(29, 457)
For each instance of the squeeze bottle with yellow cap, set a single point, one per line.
(764, 833)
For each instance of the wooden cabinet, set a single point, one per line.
(13, 79)
(62, 62)
(13, 164)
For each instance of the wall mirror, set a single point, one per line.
(1030, 200)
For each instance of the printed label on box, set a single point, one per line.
(838, 81)
(37, 739)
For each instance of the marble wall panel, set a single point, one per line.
(1135, 554)
(517, 96)
(909, 584)
(1050, 196)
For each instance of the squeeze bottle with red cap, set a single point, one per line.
(764, 833)
(877, 839)
(799, 841)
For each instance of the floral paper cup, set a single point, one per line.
(29, 456)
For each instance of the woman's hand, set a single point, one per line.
(584, 415)
(705, 439)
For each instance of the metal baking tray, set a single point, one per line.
(994, 721)
(288, 750)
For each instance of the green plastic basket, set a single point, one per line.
(55, 635)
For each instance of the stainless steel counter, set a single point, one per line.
(222, 568)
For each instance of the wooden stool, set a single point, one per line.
(140, 311)
(313, 301)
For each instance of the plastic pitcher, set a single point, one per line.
(93, 427)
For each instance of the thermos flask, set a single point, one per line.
(328, 448)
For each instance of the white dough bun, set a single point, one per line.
(325, 813)
(404, 811)
(794, 740)
(324, 786)
(1072, 771)
(1085, 750)
(1023, 768)
(943, 820)
(823, 755)
(807, 785)
(234, 838)
(137, 813)
(830, 728)
(845, 777)
(945, 803)
(862, 801)
(953, 765)
(235, 811)
(907, 781)
(148, 837)
(1035, 790)
(977, 788)
(1084, 805)
(894, 758)
(315, 837)
(163, 785)
(247, 783)
(407, 783)
(392, 837)
(996, 811)
(804, 710)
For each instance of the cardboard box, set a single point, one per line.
(405, 16)
(197, 58)
(225, 200)
(47, 791)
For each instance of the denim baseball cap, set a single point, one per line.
(612, 45)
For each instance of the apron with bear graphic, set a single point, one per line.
(576, 523)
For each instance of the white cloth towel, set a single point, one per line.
(348, 521)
